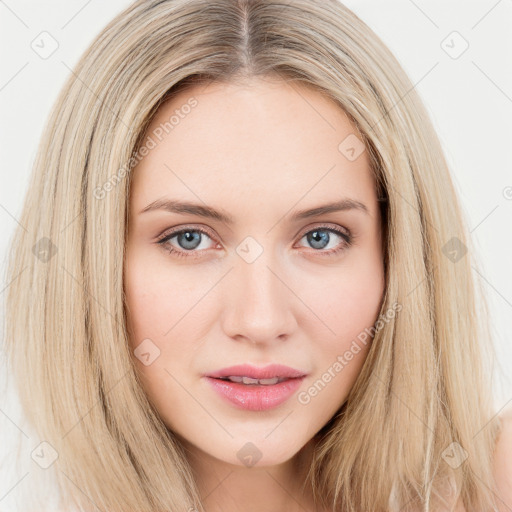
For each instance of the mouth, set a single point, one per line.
(255, 394)
(256, 389)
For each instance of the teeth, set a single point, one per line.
(249, 380)
(275, 380)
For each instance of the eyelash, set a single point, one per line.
(163, 241)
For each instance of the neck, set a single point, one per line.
(226, 487)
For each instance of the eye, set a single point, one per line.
(187, 240)
(321, 237)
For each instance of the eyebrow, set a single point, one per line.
(185, 207)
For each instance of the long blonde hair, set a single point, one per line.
(425, 387)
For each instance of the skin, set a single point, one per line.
(259, 152)
(503, 463)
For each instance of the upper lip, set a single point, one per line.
(256, 372)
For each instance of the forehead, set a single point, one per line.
(261, 140)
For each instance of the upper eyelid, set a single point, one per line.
(177, 231)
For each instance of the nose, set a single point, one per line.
(259, 304)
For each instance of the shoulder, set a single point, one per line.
(503, 463)
(502, 466)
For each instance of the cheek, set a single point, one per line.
(350, 300)
(142, 304)
(154, 303)
(154, 297)
(348, 304)
(164, 318)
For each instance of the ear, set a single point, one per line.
(503, 464)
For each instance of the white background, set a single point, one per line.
(469, 99)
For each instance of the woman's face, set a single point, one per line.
(273, 285)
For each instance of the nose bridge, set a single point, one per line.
(259, 306)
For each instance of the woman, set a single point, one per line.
(248, 275)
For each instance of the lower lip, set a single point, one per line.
(255, 398)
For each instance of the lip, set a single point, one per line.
(266, 372)
(255, 397)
